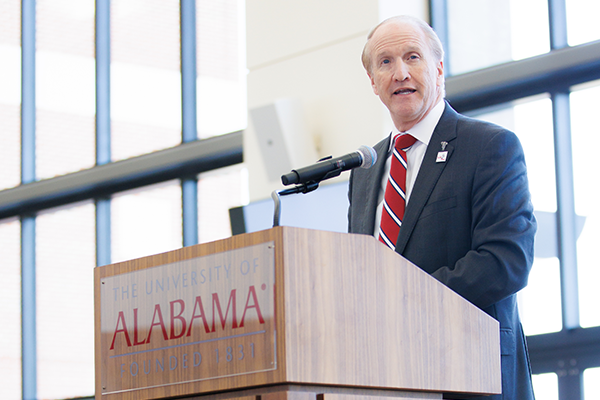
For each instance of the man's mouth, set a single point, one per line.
(404, 91)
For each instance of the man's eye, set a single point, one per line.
(386, 61)
(413, 57)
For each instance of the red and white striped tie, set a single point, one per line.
(394, 199)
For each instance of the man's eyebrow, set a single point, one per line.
(382, 54)
(414, 49)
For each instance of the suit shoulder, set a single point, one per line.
(484, 132)
(381, 149)
(469, 124)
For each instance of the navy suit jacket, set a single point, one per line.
(469, 223)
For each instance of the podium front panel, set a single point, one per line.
(192, 320)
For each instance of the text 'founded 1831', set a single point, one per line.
(203, 318)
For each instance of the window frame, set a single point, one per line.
(183, 162)
(572, 350)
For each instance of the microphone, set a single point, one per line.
(328, 167)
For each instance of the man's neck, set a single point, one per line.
(404, 126)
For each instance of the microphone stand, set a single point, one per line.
(303, 188)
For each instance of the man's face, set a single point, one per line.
(404, 73)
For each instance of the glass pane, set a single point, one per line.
(540, 303)
(65, 261)
(221, 64)
(591, 383)
(146, 221)
(545, 386)
(582, 21)
(531, 120)
(65, 87)
(145, 77)
(218, 191)
(486, 33)
(10, 93)
(10, 311)
(584, 132)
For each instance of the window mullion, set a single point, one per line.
(188, 70)
(28, 175)
(567, 242)
(28, 308)
(189, 186)
(438, 18)
(103, 151)
(570, 385)
(103, 131)
(557, 13)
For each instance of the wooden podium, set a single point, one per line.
(287, 313)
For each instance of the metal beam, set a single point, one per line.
(554, 71)
(562, 351)
(101, 181)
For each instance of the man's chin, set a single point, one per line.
(405, 118)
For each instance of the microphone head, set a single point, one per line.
(369, 156)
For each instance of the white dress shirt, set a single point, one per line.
(422, 132)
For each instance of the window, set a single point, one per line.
(591, 382)
(553, 115)
(10, 312)
(65, 102)
(581, 24)
(545, 386)
(531, 120)
(145, 78)
(587, 193)
(10, 93)
(221, 85)
(506, 31)
(218, 191)
(107, 84)
(146, 221)
(65, 260)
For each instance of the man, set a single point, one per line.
(468, 219)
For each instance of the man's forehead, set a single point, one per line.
(392, 36)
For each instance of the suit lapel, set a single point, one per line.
(366, 190)
(429, 174)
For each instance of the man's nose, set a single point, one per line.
(401, 72)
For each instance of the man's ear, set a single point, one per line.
(373, 83)
(440, 73)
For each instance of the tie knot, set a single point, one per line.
(404, 141)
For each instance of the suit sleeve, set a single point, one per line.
(350, 181)
(502, 230)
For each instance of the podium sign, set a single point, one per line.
(192, 320)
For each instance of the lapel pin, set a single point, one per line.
(442, 155)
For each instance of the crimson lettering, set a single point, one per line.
(179, 324)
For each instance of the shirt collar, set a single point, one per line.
(424, 129)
